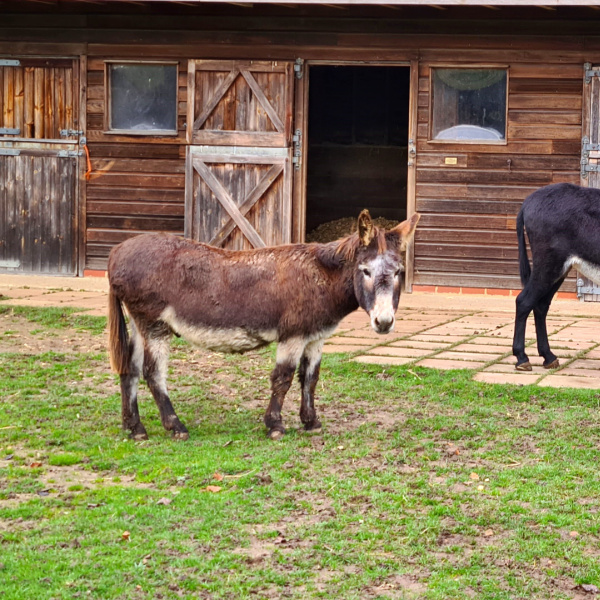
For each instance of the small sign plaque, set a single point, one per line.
(451, 160)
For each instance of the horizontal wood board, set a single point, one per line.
(469, 209)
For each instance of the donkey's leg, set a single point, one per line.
(536, 290)
(526, 300)
(539, 313)
(288, 355)
(308, 373)
(129, 386)
(156, 356)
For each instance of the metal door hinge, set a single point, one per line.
(586, 148)
(9, 152)
(9, 131)
(69, 153)
(589, 72)
(299, 68)
(5, 62)
(586, 287)
(297, 152)
(70, 132)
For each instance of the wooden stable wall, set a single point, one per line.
(466, 236)
(137, 182)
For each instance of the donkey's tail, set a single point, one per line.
(524, 266)
(118, 338)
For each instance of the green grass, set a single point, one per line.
(423, 484)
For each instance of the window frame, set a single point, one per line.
(107, 99)
(495, 67)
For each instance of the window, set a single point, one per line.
(142, 98)
(469, 105)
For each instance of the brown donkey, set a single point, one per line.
(233, 301)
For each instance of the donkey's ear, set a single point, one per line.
(366, 231)
(406, 230)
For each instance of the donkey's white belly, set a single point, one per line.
(588, 269)
(236, 339)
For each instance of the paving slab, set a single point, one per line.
(493, 341)
(411, 343)
(482, 348)
(446, 365)
(570, 381)
(342, 340)
(444, 339)
(503, 378)
(333, 348)
(580, 372)
(412, 353)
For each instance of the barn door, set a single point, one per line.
(38, 166)
(239, 162)
(590, 158)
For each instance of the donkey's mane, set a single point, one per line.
(348, 246)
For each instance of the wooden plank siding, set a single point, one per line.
(466, 236)
(137, 183)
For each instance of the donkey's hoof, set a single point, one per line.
(137, 432)
(313, 429)
(276, 434)
(181, 435)
(553, 365)
(526, 366)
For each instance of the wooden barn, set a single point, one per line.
(245, 124)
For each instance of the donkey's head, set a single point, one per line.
(378, 267)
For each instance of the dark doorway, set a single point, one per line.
(357, 146)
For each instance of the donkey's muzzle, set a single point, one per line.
(383, 323)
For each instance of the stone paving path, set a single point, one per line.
(479, 340)
(432, 330)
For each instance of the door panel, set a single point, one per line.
(239, 198)
(239, 103)
(238, 168)
(37, 213)
(38, 166)
(588, 290)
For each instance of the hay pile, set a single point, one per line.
(334, 230)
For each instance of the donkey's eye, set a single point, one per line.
(366, 272)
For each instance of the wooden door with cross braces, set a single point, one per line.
(238, 191)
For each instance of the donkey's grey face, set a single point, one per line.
(379, 267)
(377, 286)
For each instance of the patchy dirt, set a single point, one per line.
(64, 480)
(23, 337)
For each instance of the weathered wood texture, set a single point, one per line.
(36, 98)
(38, 186)
(238, 188)
(239, 201)
(37, 214)
(240, 103)
(467, 233)
(466, 236)
(590, 291)
(137, 182)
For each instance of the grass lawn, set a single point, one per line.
(423, 484)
